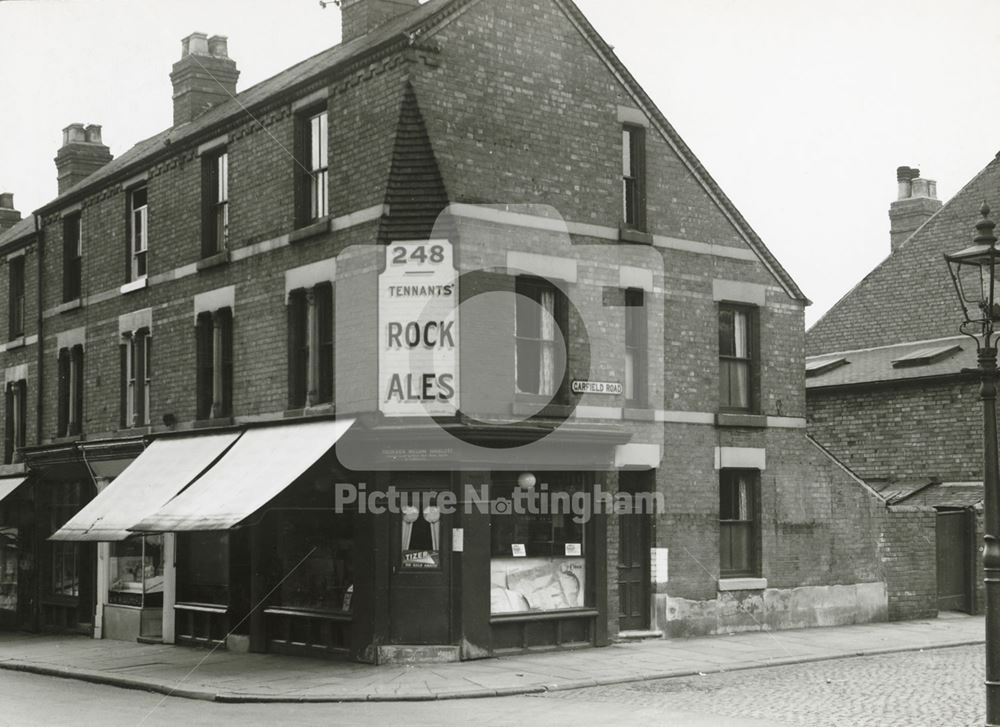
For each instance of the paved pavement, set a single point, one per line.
(226, 677)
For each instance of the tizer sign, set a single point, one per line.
(418, 328)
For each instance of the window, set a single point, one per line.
(538, 561)
(540, 360)
(214, 354)
(136, 378)
(203, 568)
(312, 168)
(737, 375)
(315, 549)
(16, 405)
(72, 258)
(635, 347)
(738, 518)
(215, 205)
(15, 297)
(138, 233)
(633, 177)
(70, 415)
(136, 572)
(310, 346)
(64, 567)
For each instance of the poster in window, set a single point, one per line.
(421, 537)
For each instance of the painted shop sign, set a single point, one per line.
(418, 330)
(610, 388)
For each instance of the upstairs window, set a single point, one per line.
(16, 411)
(635, 347)
(633, 177)
(136, 378)
(310, 346)
(214, 354)
(215, 203)
(313, 169)
(739, 523)
(72, 258)
(737, 374)
(15, 297)
(540, 360)
(138, 233)
(70, 393)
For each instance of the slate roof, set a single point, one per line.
(934, 494)
(910, 296)
(22, 229)
(876, 364)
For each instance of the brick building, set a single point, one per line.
(887, 395)
(254, 312)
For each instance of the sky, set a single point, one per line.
(801, 111)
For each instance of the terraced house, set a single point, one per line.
(461, 260)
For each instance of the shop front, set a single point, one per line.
(16, 561)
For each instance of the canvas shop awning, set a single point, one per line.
(9, 484)
(161, 471)
(262, 463)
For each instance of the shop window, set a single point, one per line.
(738, 523)
(215, 203)
(70, 393)
(16, 406)
(310, 346)
(633, 177)
(136, 572)
(10, 549)
(538, 561)
(136, 378)
(312, 168)
(737, 363)
(316, 560)
(540, 358)
(635, 347)
(138, 233)
(214, 354)
(203, 568)
(72, 258)
(15, 297)
(421, 533)
(64, 567)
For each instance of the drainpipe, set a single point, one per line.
(40, 346)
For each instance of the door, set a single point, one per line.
(954, 560)
(633, 559)
(419, 596)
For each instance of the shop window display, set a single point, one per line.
(136, 572)
(538, 560)
(203, 568)
(64, 574)
(9, 552)
(316, 558)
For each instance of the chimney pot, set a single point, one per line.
(195, 44)
(74, 133)
(916, 204)
(93, 134)
(218, 46)
(6, 200)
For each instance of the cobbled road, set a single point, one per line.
(936, 688)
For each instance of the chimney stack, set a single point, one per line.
(916, 204)
(82, 153)
(8, 215)
(359, 17)
(204, 77)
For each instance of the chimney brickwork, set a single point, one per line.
(82, 153)
(204, 77)
(916, 204)
(8, 215)
(359, 17)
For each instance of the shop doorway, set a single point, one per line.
(419, 593)
(955, 559)
(634, 541)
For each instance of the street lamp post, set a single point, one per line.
(973, 271)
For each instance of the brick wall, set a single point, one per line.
(910, 557)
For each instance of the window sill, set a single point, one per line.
(134, 285)
(742, 584)
(67, 440)
(543, 615)
(213, 261)
(68, 306)
(746, 421)
(630, 234)
(13, 343)
(643, 415)
(135, 431)
(307, 411)
(311, 230)
(207, 423)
